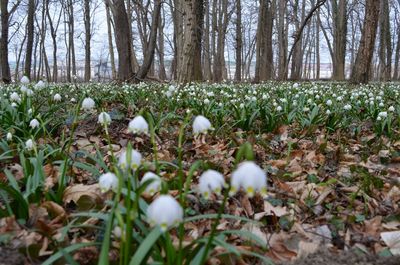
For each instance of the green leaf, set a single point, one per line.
(145, 246)
(68, 249)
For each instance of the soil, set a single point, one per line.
(11, 257)
(352, 257)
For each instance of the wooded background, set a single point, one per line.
(198, 40)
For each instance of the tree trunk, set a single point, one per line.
(282, 40)
(239, 42)
(385, 43)
(264, 54)
(87, 40)
(29, 43)
(122, 39)
(339, 14)
(110, 44)
(5, 66)
(151, 47)
(206, 49)
(161, 68)
(190, 67)
(362, 65)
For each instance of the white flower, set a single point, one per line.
(206, 101)
(73, 100)
(34, 124)
(201, 125)
(155, 184)
(347, 107)
(104, 118)
(250, 177)
(135, 160)
(23, 89)
(379, 118)
(9, 136)
(29, 92)
(391, 109)
(14, 105)
(279, 108)
(329, 102)
(15, 97)
(381, 104)
(24, 80)
(40, 85)
(138, 125)
(328, 112)
(57, 97)
(211, 181)
(29, 144)
(88, 104)
(383, 114)
(108, 181)
(164, 211)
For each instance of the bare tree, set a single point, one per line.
(362, 65)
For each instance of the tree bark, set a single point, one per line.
(190, 68)
(87, 40)
(362, 65)
(29, 43)
(239, 42)
(339, 14)
(385, 43)
(110, 44)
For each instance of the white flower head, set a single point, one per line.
(329, 102)
(29, 144)
(279, 108)
(25, 80)
(211, 181)
(57, 97)
(104, 118)
(391, 109)
(347, 107)
(250, 177)
(201, 125)
(23, 89)
(88, 104)
(135, 160)
(155, 184)
(108, 181)
(15, 97)
(383, 114)
(34, 124)
(29, 92)
(164, 211)
(138, 125)
(9, 136)
(39, 85)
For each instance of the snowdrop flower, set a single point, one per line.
(201, 125)
(9, 136)
(29, 144)
(108, 181)
(135, 160)
(379, 118)
(347, 107)
(155, 184)
(24, 80)
(383, 114)
(138, 125)
(381, 105)
(164, 211)
(73, 100)
(30, 111)
(29, 92)
(88, 104)
(34, 124)
(168, 94)
(391, 109)
(104, 118)
(14, 105)
(40, 85)
(206, 101)
(279, 108)
(328, 112)
(250, 177)
(57, 97)
(329, 102)
(23, 89)
(211, 181)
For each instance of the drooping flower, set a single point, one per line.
(250, 177)
(135, 160)
(57, 97)
(383, 114)
(347, 107)
(39, 85)
(164, 211)
(108, 181)
(329, 102)
(25, 80)
(391, 109)
(211, 181)
(23, 89)
(15, 97)
(34, 124)
(201, 125)
(88, 104)
(155, 184)
(138, 125)
(9, 136)
(29, 144)
(279, 108)
(104, 118)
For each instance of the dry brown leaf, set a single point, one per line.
(75, 193)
